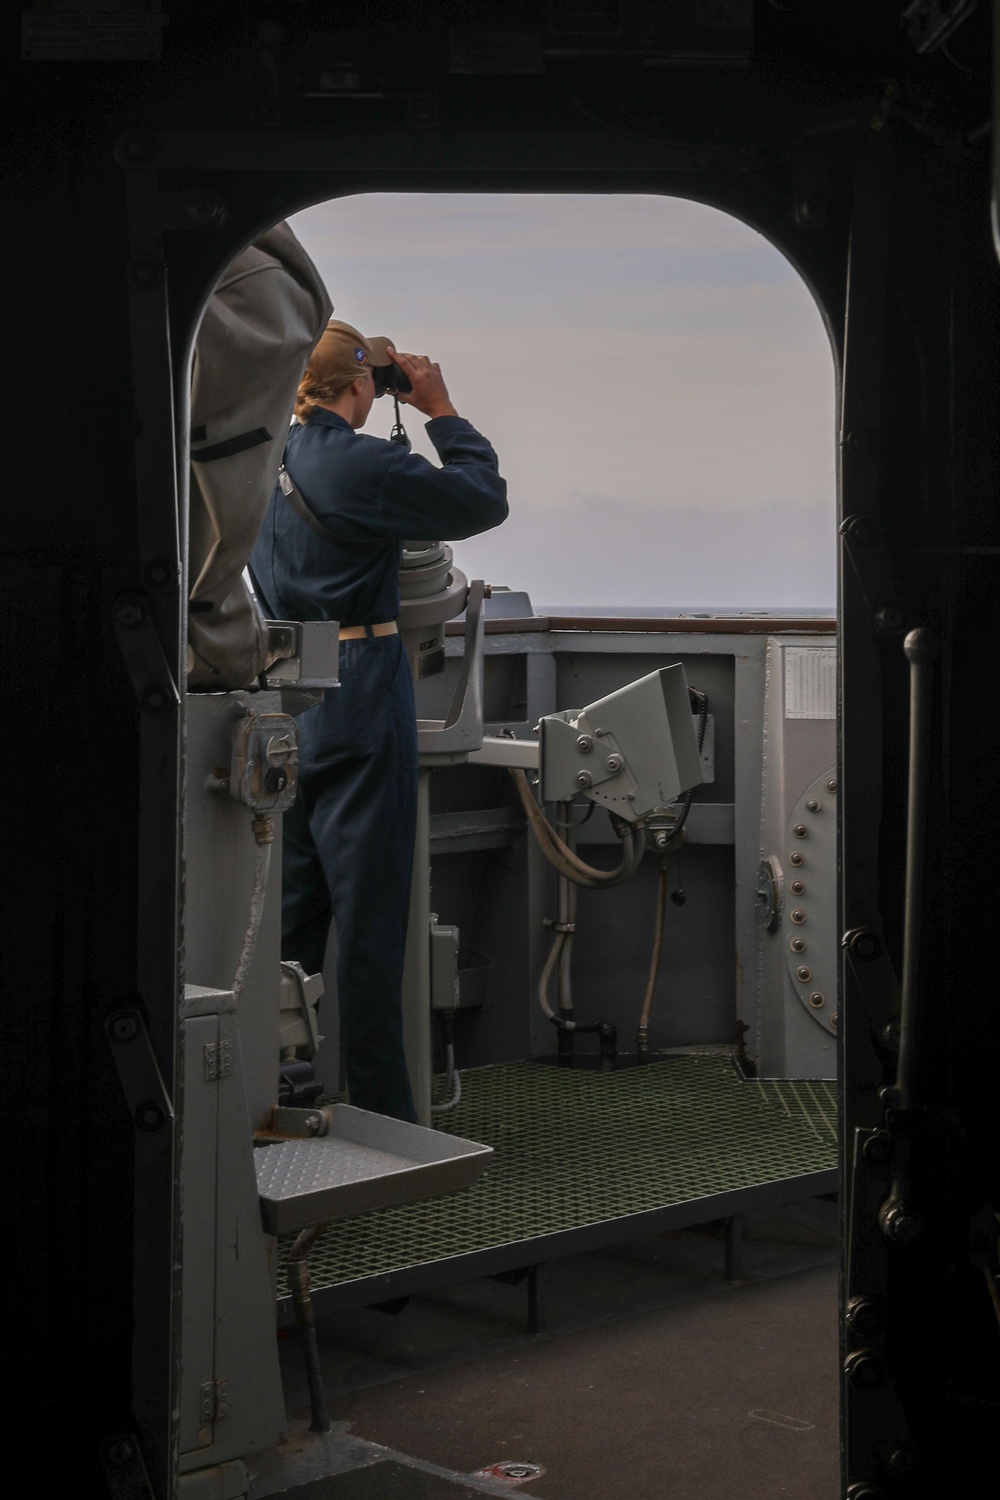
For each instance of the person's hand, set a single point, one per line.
(429, 393)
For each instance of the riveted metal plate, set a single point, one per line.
(809, 916)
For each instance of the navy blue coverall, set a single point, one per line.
(348, 840)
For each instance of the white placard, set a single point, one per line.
(810, 682)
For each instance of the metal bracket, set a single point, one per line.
(145, 658)
(124, 1468)
(869, 556)
(138, 1070)
(875, 976)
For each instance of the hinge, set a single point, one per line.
(213, 1400)
(218, 1061)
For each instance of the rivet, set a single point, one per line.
(798, 915)
(831, 784)
(798, 945)
(800, 831)
(797, 887)
(814, 804)
(795, 858)
(835, 1018)
(804, 973)
(585, 744)
(817, 999)
(584, 779)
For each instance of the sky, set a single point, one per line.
(653, 374)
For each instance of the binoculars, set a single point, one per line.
(389, 378)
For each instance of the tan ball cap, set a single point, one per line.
(343, 354)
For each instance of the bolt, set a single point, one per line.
(831, 784)
(314, 1124)
(889, 618)
(865, 944)
(890, 1035)
(150, 1116)
(795, 858)
(130, 613)
(902, 1461)
(835, 1018)
(856, 442)
(877, 1147)
(207, 211)
(889, 1097)
(585, 744)
(812, 212)
(898, 1225)
(145, 272)
(797, 887)
(584, 779)
(817, 999)
(155, 700)
(864, 1367)
(864, 1317)
(800, 831)
(814, 804)
(159, 573)
(124, 1028)
(804, 973)
(614, 762)
(798, 945)
(797, 915)
(118, 1452)
(856, 528)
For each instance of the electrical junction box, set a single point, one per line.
(444, 966)
(264, 770)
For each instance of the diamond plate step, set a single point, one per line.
(364, 1162)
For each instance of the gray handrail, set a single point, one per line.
(921, 648)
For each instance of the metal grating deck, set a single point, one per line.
(585, 1158)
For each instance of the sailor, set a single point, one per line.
(330, 549)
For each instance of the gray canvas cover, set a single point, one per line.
(262, 323)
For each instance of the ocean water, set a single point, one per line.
(690, 611)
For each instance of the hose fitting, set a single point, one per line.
(263, 828)
(642, 1044)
